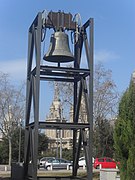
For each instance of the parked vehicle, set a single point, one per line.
(38, 163)
(105, 162)
(43, 160)
(58, 163)
(82, 161)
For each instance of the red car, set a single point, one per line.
(105, 162)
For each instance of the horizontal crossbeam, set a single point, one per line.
(56, 125)
(61, 73)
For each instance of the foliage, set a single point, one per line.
(124, 134)
(67, 154)
(43, 145)
(47, 154)
(103, 139)
(4, 147)
(4, 152)
(15, 145)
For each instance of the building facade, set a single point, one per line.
(57, 137)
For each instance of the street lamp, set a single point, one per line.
(57, 136)
(60, 131)
(20, 132)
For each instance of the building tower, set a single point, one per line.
(56, 115)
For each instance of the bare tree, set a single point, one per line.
(11, 108)
(105, 109)
(105, 93)
(105, 104)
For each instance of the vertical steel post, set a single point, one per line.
(89, 54)
(28, 99)
(38, 36)
(91, 22)
(74, 102)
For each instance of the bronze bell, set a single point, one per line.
(59, 50)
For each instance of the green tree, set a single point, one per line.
(4, 146)
(103, 139)
(124, 133)
(67, 154)
(4, 152)
(15, 145)
(43, 144)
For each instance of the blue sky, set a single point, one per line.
(114, 33)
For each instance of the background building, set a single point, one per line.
(57, 137)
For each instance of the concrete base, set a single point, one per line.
(108, 174)
(17, 171)
(59, 178)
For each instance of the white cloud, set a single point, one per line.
(105, 55)
(15, 68)
(100, 56)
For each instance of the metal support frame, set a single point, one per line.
(76, 75)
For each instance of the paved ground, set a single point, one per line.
(5, 173)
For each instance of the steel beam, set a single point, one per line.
(91, 40)
(56, 125)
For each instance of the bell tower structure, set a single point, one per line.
(59, 52)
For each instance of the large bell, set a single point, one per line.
(59, 50)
